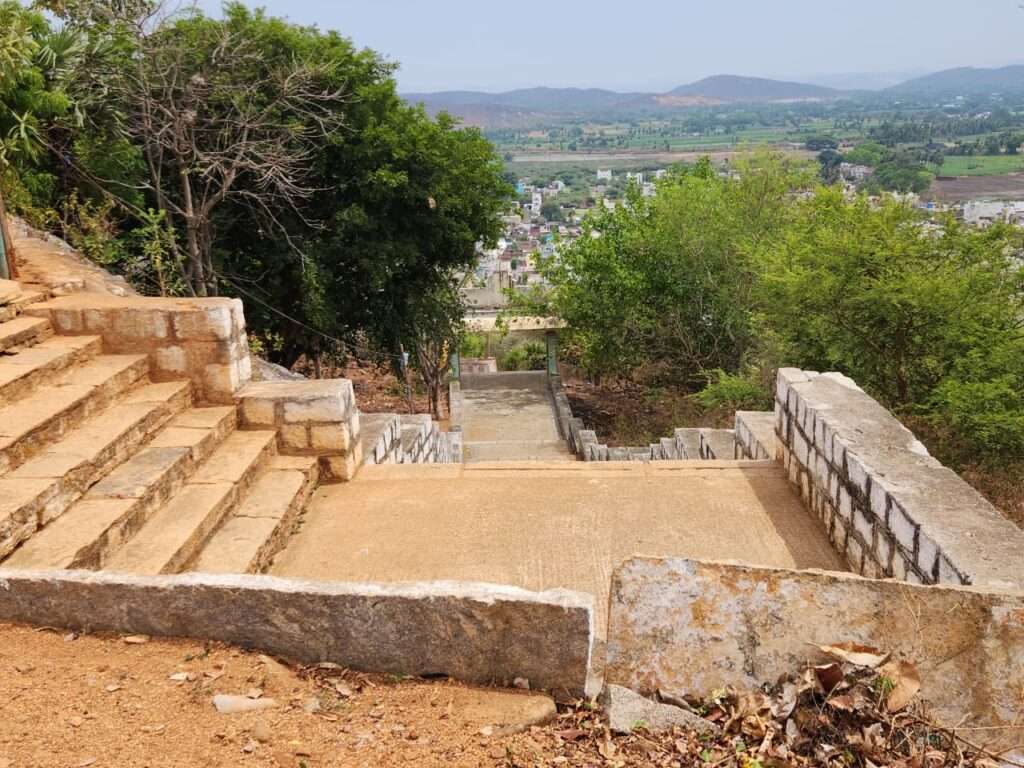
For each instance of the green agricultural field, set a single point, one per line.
(981, 165)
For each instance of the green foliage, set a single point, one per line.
(869, 153)
(734, 392)
(473, 345)
(530, 356)
(668, 283)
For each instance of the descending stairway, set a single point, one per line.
(101, 468)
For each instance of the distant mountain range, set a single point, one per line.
(965, 81)
(519, 108)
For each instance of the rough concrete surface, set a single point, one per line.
(692, 627)
(542, 526)
(473, 632)
(510, 416)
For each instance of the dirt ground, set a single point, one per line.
(77, 701)
(951, 190)
(633, 415)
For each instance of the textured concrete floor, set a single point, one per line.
(547, 525)
(508, 417)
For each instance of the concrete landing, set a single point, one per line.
(546, 525)
(510, 416)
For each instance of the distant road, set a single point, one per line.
(661, 157)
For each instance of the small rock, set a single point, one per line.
(487, 730)
(75, 722)
(113, 687)
(230, 705)
(23, 667)
(136, 639)
(627, 710)
(249, 746)
(261, 732)
(343, 690)
(182, 677)
(521, 682)
(254, 693)
(154, 730)
(311, 705)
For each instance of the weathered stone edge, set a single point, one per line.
(476, 632)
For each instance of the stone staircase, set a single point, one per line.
(102, 467)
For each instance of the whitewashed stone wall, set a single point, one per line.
(891, 508)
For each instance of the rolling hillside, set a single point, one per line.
(965, 81)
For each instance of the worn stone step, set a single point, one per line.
(26, 369)
(91, 530)
(263, 521)
(16, 306)
(108, 515)
(242, 455)
(24, 331)
(176, 533)
(31, 424)
(43, 488)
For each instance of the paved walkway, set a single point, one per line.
(541, 526)
(510, 417)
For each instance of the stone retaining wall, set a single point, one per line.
(479, 633)
(199, 339)
(692, 627)
(892, 509)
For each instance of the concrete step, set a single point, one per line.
(26, 369)
(263, 522)
(24, 332)
(175, 533)
(120, 504)
(525, 450)
(380, 435)
(29, 426)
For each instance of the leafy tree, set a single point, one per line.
(666, 284)
(867, 153)
(901, 307)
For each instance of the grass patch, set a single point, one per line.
(981, 165)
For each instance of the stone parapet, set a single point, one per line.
(692, 627)
(312, 418)
(199, 339)
(892, 509)
(479, 633)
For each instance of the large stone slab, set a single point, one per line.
(474, 632)
(690, 627)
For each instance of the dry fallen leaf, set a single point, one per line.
(858, 655)
(906, 683)
(828, 676)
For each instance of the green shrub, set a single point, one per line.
(473, 345)
(734, 392)
(531, 356)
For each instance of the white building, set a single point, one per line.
(538, 201)
(604, 175)
(637, 177)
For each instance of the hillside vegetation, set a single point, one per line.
(718, 281)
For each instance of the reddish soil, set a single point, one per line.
(90, 700)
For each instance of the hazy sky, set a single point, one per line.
(659, 44)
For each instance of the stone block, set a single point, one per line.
(627, 710)
(294, 437)
(692, 627)
(477, 633)
(331, 437)
(171, 359)
(258, 412)
(209, 324)
(220, 382)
